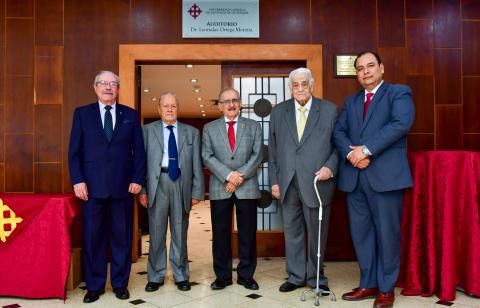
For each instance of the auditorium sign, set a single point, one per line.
(220, 19)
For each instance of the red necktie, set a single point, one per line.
(231, 134)
(367, 103)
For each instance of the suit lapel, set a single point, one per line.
(290, 119)
(158, 131)
(222, 127)
(375, 101)
(118, 120)
(181, 133)
(359, 101)
(313, 116)
(97, 118)
(239, 134)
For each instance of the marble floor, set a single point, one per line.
(270, 274)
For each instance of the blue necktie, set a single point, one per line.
(108, 123)
(173, 170)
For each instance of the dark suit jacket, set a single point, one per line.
(289, 156)
(107, 167)
(383, 132)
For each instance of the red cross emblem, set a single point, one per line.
(194, 11)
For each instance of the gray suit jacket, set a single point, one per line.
(189, 157)
(289, 156)
(246, 157)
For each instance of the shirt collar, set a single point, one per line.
(375, 89)
(307, 106)
(165, 124)
(236, 119)
(102, 105)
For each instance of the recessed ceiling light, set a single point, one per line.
(203, 111)
(193, 80)
(189, 66)
(203, 115)
(154, 99)
(146, 90)
(196, 90)
(201, 106)
(199, 98)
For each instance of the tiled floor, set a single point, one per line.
(270, 274)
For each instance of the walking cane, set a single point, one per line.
(317, 290)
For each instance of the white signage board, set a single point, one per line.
(220, 19)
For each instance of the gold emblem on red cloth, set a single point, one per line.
(8, 221)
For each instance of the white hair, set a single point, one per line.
(301, 71)
(97, 77)
(165, 94)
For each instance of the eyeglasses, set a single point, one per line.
(232, 101)
(298, 86)
(112, 84)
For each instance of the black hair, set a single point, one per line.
(364, 53)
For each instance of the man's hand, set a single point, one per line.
(324, 173)
(356, 155)
(363, 163)
(143, 199)
(134, 188)
(236, 178)
(81, 191)
(195, 202)
(230, 187)
(276, 191)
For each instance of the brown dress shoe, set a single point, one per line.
(360, 293)
(384, 300)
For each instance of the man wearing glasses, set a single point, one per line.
(107, 167)
(232, 151)
(300, 149)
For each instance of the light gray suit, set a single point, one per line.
(221, 160)
(171, 200)
(292, 165)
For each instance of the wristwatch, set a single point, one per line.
(365, 151)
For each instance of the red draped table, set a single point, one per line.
(35, 244)
(440, 227)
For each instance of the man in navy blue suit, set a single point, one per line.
(370, 135)
(107, 167)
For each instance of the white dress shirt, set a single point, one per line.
(112, 112)
(166, 135)
(234, 130)
(307, 106)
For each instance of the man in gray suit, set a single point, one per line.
(174, 183)
(300, 149)
(232, 151)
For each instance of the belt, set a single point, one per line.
(164, 169)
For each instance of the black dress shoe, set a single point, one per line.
(92, 296)
(153, 286)
(183, 285)
(220, 284)
(121, 293)
(250, 284)
(288, 287)
(324, 290)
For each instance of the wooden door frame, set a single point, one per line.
(130, 54)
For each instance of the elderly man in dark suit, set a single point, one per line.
(107, 167)
(174, 183)
(371, 137)
(300, 149)
(232, 150)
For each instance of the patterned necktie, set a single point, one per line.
(231, 134)
(173, 170)
(367, 103)
(301, 122)
(108, 123)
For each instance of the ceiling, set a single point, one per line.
(158, 79)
